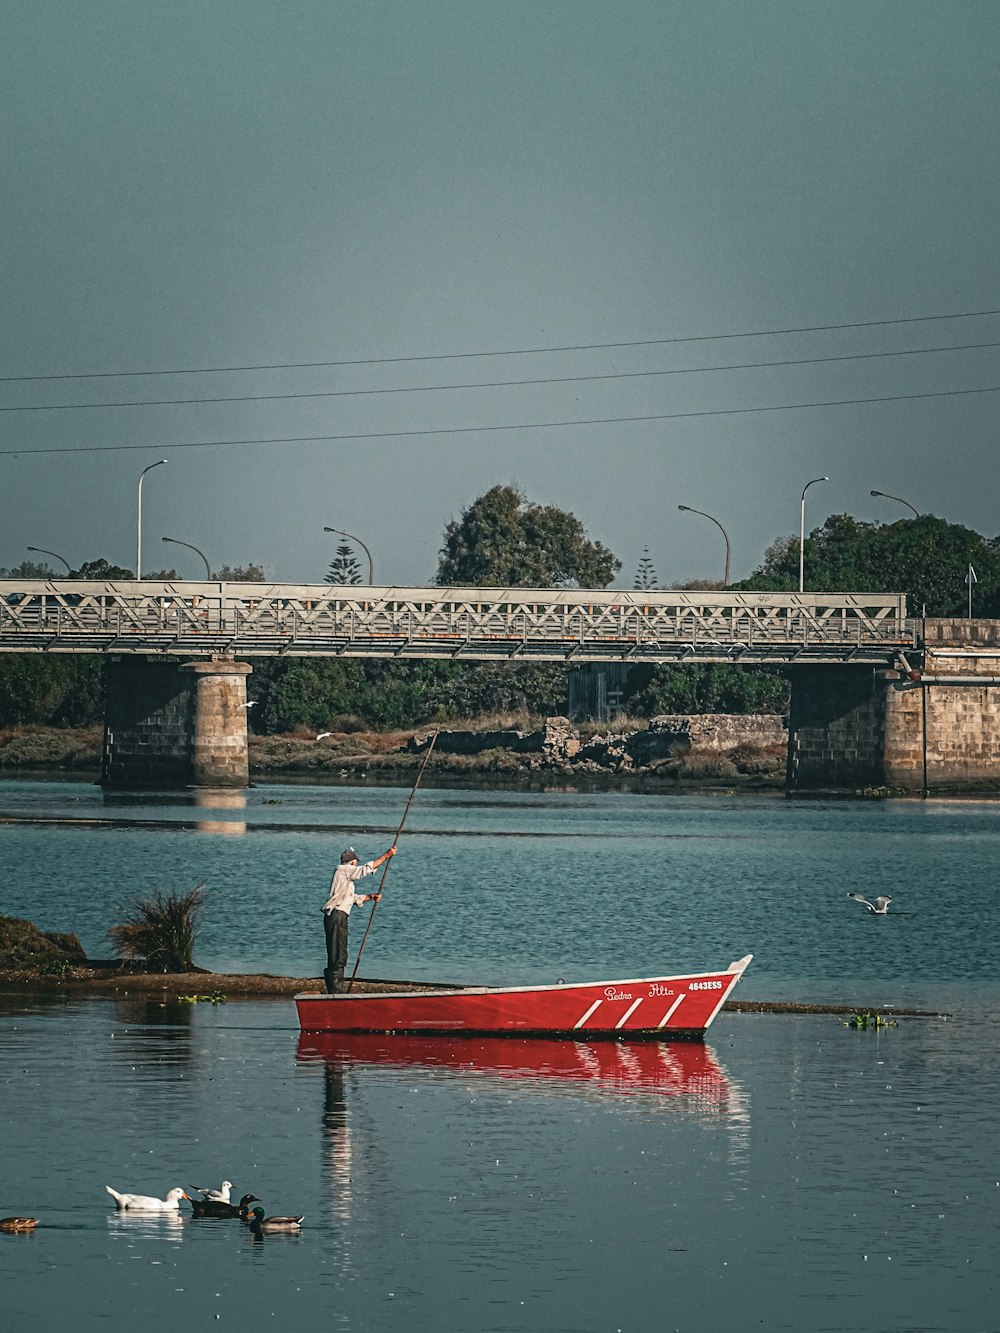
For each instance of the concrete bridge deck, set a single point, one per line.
(548, 625)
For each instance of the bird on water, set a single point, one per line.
(146, 1203)
(221, 1195)
(880, 906)
(259, 1224)
(216, 1207)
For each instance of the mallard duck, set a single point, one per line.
(216, 1208)
(18, 1223)
(221, 1195)
(145, 1203)
(259, 1223)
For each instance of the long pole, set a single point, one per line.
(689, 510)
(802, 531)
(138, 519)
(364, 938)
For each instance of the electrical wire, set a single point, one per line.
(510, 351)
(499, 384)
(482, 430)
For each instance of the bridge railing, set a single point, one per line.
(257, 619)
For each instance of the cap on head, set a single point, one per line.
(348, 854)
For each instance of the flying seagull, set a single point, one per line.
(880, 906)
(323, 735)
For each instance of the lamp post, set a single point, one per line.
(371, 564)
(689, 510)
(899, 500)
(178, 542)
(40, 550)
(802, 531)
(138, 518)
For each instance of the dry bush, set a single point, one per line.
(159, 931)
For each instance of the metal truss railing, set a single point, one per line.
(555, 625)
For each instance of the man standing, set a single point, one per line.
(337, 910)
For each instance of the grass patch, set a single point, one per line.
(159, 931)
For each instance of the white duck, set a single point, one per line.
(145, 1203)
(221, 1195)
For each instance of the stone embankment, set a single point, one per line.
(707, 748)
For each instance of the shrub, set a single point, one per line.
(159, 931)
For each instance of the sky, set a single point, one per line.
(373, 223)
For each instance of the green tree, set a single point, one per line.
(96, 570)
(28, 569)
(344, 568)
(645, 574)
(250, 573)
(504, 540)
(926, 558)
(714, 688)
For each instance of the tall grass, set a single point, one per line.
(159, 931)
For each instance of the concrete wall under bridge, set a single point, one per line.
(932, 723)
(175, 724)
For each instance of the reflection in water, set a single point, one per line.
(337, 1139)
(153, 1031)
(214, 798)
(128, 1224)
(688, 1071)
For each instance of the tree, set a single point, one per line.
(96, 571)
(344, 569)
(240, 574)
(926, 558)
(504, 540)
(29, 569)
(645, 575)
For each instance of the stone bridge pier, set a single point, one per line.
(930, 724)
(171, 724)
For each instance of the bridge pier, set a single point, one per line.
(932, 725)
(169, 724)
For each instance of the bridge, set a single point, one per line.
(877, 699)
(228, 620)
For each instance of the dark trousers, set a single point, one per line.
(335, 924)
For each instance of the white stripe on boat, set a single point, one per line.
(670, 1012)
(595, 1006)
(629, 1012)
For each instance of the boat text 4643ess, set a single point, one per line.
(681, 1006)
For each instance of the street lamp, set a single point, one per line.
(40, 550)
(371, 564)
(138, 518)
(802, 531)
(899, 500)
(178, 542)
(688, 510)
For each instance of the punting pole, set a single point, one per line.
(406, 811)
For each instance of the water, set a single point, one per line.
(791, 1174)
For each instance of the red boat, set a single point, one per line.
(671, 1007)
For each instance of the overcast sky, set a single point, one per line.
(199, 187)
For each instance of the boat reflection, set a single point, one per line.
(688, 1071)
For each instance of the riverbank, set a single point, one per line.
(113, 981)
(665, 753)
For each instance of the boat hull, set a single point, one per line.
(672, 1007)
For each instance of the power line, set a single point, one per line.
(482, 430)
(510, 351)
(500, 384)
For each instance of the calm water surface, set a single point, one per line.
(791, 1174)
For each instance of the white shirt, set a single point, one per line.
(342, 896)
